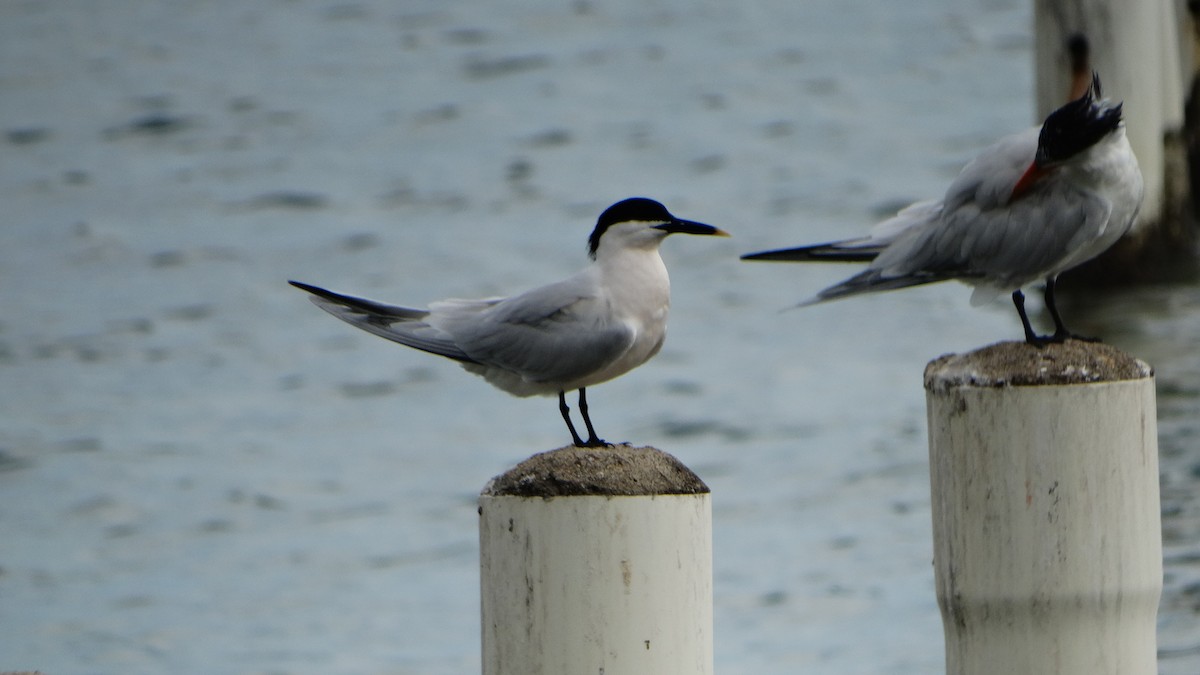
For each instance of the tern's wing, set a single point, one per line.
(1040, 234)
(398, 324)
(861, 249)
(1000, 248)
(987, 181)
(556, 333)
(977, 233)
(848, 250)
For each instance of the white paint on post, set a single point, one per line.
(581, 575)
(1046, 516)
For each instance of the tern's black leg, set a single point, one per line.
(1031, 337)
(1060, 329)
(593, 440)
(566, 413)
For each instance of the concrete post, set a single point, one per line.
(1046, 521)
(596, 561)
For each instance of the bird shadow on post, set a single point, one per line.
(596, 560)
(1045, 503)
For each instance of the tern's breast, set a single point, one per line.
(638, 293)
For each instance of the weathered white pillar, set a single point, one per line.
(1047, 540)
(596, 561)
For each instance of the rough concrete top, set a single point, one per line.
(1020, 364)
(614, 470)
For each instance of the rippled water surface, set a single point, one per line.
(201, 471)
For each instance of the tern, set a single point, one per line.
(1027, 208)
(604, 321)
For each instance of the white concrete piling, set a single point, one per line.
(1046, 521)
(597, 561)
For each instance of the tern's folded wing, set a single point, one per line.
(398, 324)
(552, 334)
(1024, 241)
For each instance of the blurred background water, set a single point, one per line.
(200, 471)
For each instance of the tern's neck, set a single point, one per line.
(636, 273)
(638, 261)
(1108, 161)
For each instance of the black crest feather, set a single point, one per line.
(1077, 126)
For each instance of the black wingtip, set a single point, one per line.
(781, 254)
(819, 253)
(318, 291)
(763, 255)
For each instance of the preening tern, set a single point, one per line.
(1030, 206)
(604, 321)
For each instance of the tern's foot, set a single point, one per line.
(591, 442)
(1040, 341)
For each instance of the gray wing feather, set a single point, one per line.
(871, 281)
(977, 233)
(1028, 239)
(981, 233)
(398, 324)
(859, 249)
(555, 333)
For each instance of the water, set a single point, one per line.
(201, 470)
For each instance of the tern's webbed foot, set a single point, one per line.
(1040, 341)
